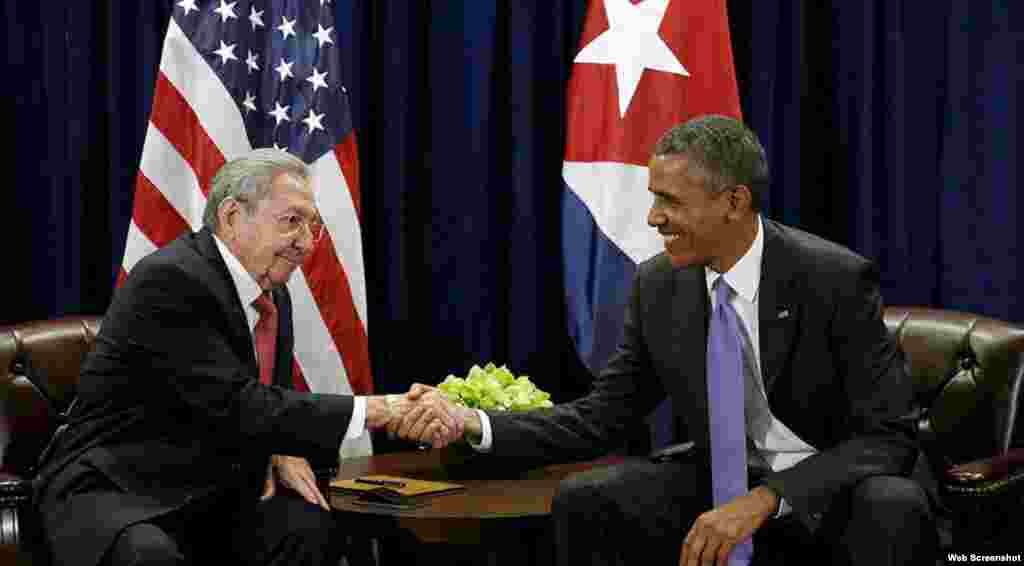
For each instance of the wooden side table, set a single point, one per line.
(495, 511)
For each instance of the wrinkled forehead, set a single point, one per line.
(291, 192)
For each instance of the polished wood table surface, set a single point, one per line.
(494, 499)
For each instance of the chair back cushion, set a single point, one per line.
(968, 369)
(55, 350)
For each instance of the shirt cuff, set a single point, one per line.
(486, 439)
(357, 425)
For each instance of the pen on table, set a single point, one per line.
(394, 483)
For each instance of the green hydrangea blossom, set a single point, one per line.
(496, 388)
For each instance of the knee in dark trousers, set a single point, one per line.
(583, 522)
(578, 495)
(310, 526)
(890, 522)
(144, 544)
(632, 513)
(286, 529)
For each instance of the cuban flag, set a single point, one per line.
(235, 75)
(642, 68)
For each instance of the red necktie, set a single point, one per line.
(266, 336)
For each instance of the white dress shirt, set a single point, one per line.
(248, 290)
(779, 445)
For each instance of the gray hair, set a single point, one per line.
(247, 179)
(728, 152)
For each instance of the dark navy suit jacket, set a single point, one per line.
(170, 407)
(832, 373)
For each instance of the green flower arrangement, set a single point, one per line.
(494, 388)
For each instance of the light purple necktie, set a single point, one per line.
(725, 409)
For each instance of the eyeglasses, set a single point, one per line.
(291, 224)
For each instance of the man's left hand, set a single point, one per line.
(295, 473)
(714, 534)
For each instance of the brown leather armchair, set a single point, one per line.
(39, 368)
(968, 373)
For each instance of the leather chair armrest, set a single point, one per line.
(993, 476)
(14, 490)
(994, 468)
(982, 497)
(15, 493)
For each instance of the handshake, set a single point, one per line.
(423, 414)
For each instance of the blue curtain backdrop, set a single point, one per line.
(891, 127)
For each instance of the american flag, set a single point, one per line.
(642, 68)
(263, 73)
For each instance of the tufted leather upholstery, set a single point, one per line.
(29, 412)
(55, 349)
(973, 414)
(968, 373)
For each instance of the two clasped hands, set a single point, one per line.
(423, 415)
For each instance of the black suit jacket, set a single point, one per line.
(170, 407)
(832, 373)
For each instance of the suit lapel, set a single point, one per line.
(689, 316)
(777, 311)
(223, 288)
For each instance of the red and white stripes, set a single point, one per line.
(194, 128)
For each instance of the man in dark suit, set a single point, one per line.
(186, 444)
(824, 398)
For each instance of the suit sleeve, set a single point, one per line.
(167, 320)
(870, 368)
(623, 394)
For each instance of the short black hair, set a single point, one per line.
(727, 150)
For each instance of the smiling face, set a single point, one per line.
(265, 239)
(699, 226)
